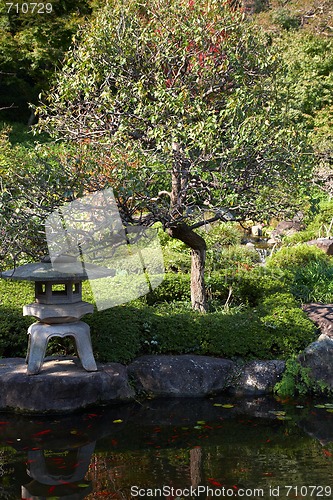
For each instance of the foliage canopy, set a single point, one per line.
(165, 83)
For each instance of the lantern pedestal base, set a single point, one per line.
(40, 333)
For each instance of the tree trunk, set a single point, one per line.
(198, 292)
(181, 231)
(179, 181)
(198, 255)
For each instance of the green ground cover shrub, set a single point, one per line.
(175, 286)
(221, 234)
(13, 325)
(277, 328)
(247, 287)
(13, 333)
(233, 257)
(301, 237)
(286, 19)
(296, 256)
(314, 282)
(116, 333)
(322, 222)
(307, 272)
(297, 381)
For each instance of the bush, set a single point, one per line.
(300, 237)
(173, 331)
(276, 329)
(13, 333)
(286, 19)
(221, 234)
(323, 221)
(313, 282)
(246, 287)
(235, 257)
(297, 381)
(116, 333)
(174, 287)
(13, 325)
(290, 326)
(308, 272)
(297, 256)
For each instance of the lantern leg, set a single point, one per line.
(40, 333)
(83, 345)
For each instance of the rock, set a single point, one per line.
(321, 315)
(272, 241)
(61, 386)
(325, 244)
(181, 376)
(257, 377)
(318, 358)
(286, 228)
(256, 230)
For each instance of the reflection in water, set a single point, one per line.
(58, 473)
(177, 443)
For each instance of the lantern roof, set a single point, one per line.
(64, 268)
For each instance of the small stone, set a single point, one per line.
(257, 377)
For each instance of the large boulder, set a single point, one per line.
(318, 357)
(61, 386)
(257, 377)
(181, 376)
(321, 315)
(325, 244)
(286, 228)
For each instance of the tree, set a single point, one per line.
(34, 181)
(33, 39)
(180, 99)
(309, 83)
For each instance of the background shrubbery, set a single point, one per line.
(254, 309)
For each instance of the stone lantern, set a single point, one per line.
(58, 307)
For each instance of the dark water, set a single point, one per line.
(178, 448)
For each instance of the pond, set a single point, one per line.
(171, 448)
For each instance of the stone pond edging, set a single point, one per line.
(190, 375)
(63, 386)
